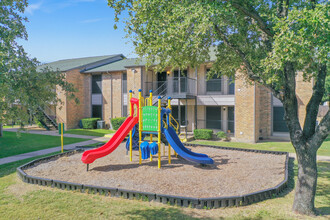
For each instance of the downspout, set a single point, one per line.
(111, 91)
(196, 89)
(254, 114)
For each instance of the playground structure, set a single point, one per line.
(151, 120)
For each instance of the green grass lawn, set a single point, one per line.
(11, 144)
(20, 200)
(11, 126)
(90, 132)
(324, 150)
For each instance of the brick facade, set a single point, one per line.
(244, 110)
(253, 103)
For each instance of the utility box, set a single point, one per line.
(100, 124)
(60, 128)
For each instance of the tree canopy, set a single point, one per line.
(23, 87)
(269, 41)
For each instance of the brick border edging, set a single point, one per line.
(199, 203)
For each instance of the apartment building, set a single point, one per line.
(247, 111)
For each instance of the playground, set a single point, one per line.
(162, 165)
(234, 173)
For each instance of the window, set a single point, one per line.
(97, 111)
(231, 89)
(279, 124)
(97, 96)
(124, 83)
(96, 84)
(214, 83)
(124, 111)
(180, 76)
(175, 113)
(231, 119)
(213, 117)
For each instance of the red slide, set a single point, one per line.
(91, 155)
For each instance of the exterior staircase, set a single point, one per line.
(47, 121)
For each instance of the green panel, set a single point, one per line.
(150, 118)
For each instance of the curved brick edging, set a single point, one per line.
(214, 202)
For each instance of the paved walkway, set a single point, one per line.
(319, 158)
(43, 152)
(51, 133)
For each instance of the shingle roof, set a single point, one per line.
(68, 64)
(118, 66)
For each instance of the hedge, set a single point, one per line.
(89, 123)
(203, 134)
(117, 122)
(221, 135)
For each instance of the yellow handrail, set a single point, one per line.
(176, 127)
(147, 101)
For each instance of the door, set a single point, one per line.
(161, 83)
(213, 117)
(231, 119)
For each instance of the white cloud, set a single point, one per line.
(33, 7)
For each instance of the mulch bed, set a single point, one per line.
(234, 173)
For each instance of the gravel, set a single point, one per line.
(234, 173)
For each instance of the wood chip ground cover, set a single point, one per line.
(234, 173)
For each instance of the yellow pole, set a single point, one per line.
(130, 133)
(150, 103)
(169, 120)
(159, 131)
(62, 125)
(140, 125)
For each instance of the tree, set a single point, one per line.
(23, 87)
(269, 40)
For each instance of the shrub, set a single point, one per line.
(89, 123)
(221, 135)
(117, 122)
(203, 134)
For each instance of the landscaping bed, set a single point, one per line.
(235, 173)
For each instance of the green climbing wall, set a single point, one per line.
(150, 118)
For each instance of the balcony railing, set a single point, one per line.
(216, 86)
(173, 86)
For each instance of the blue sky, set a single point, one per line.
(59, 29)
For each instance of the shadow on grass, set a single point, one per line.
(323, 189)
(159, 213)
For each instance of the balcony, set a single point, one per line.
(222, 86)
(176, 87)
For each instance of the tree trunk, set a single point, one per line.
(1, 134)
(306, 181)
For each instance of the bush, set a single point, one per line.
(117, 122)
(221, 135)
(89, 123)
(203, 134)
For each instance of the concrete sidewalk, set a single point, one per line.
(51, 133)
(43, 152)
(318, 158)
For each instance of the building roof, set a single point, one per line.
(120, 65)
(81, 63)
(323, 109)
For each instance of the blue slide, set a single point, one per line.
(177, 145)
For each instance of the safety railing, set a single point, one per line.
(175, 125)
(173, 86)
